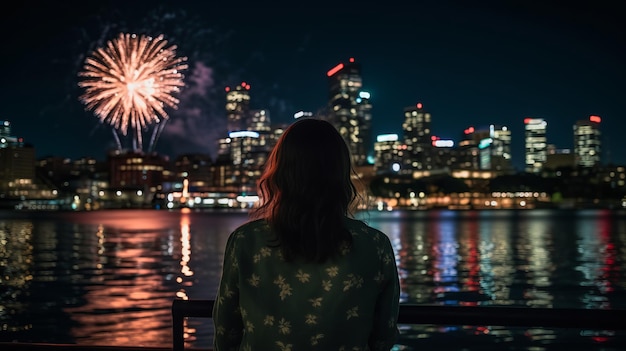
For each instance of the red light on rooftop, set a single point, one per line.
(527, 120)
(351, 59)
(595, 119)
(469, 130)
(419, 105)
(335, 69)
(227, 89)
(243, 84)
(247, 86)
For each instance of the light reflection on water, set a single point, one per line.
(108, 278)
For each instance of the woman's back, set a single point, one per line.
(342, 304)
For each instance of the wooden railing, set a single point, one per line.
(448, 315)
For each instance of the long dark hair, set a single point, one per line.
(306, 191)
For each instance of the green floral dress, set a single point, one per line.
(264, 303)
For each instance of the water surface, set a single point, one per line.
(108, 277)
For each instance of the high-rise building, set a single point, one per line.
(259, 121)
(248, 158)
(5, 128)
(494, 147)
(249, 148)
(467, 151)
(444, 155)
(237, 106)
(536, 144)
(389, 154)
(6, 139)
(18, 180)
(587, 143)
(17, 161)
(417, 137)
(501, 147)
(349, 109)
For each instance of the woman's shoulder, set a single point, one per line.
(256, 226)
(358, 227)
(250, 234)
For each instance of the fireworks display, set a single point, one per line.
(131, 81)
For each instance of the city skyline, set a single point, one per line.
(481, 65)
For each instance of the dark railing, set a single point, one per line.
(573, 318)
(586, 319)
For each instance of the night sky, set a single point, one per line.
(469, 63)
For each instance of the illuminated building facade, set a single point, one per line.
(196, 168)
(467, 151)
(138, 171)
(501, 147)
(5, 129)
(17, 163)
(259, 121)
(17, 167)
(494, 147)
(19, 186)
(242, 155)
(6, 139)
(587, 142)
(349, 109)
(443, 153)
(248, 157)
(389, 153)
(222, 170)
(237, 106)
(417, 137)
(247, 150)
(535, 144)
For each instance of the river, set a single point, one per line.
(109, 277)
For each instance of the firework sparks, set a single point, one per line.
(131, 80)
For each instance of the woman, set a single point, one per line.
(303, 274)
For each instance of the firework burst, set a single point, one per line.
(131, 81)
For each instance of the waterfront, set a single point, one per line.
(108, 277)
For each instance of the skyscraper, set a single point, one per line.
(349, 109)
(262, 146)
(536, 144)
(5, 128)
(17, 161)
(244, 156)
(250, 139)
(6, 139)
(259, 121)
(237, 106)
(417, 137)
(494, 147)
(467, 150)
(389, 154)
(587, 143)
